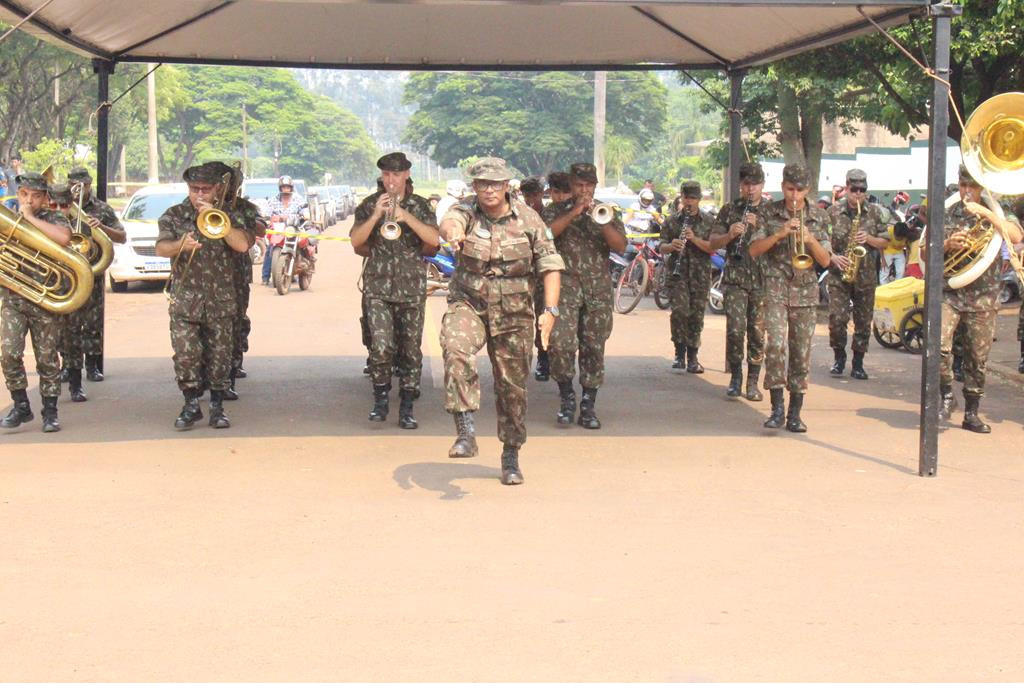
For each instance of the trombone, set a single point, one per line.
(95, 247)
(799, 257)
(213, 223)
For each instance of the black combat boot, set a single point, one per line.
(50, 421)
(692, 364)
(958, 368)
(543, 371)
(465, 439)
(680, 362)
(65, 374)
(230, 394)
(775, 420)
(510, 472)
(972, 422)
(753, 375)
(94, 367)
(75, 385)
(190, 412)
(218, 420)
(947, 402)
(857, 368)
(588, 418)
(840, 364)
(240, 373)
(735, 381)
(1020, 364)
(379, 412)
(366, 366)
(21, 411)
(405, 418)
(567, 411)
(793, 421)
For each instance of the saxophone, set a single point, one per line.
(855, 253)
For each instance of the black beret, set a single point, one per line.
(205, 173)
(396, 161)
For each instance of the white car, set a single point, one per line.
(136, 259)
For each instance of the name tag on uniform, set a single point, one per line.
(482, 233)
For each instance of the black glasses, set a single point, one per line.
(858, 188)
(485, 186)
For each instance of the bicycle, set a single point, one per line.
(645, 273)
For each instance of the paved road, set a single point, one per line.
(682, 542)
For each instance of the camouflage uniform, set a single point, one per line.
(689, 294)
(20, 317)
(83, 329)
(243, 285)
(862, 290)
(394, 292)
(974, 307)
(204, 305)
(585, 320)
(743, 290)
(490, 303)
(790, 299)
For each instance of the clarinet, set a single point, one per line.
(738, 246)
(677, 266)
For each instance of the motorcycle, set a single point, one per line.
(440, 267)
(293, 254)
(716, 297)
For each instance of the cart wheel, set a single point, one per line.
(890, 339)
(912, 330)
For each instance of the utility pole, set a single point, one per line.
(245, 142)
(154, 153)
(56, 101)
(123, 172)
(600, 95)
(277, 155)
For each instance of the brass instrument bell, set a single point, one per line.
(391, 229)
(602, 213)
(992, 144)
(800, 259)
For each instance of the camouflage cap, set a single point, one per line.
(796, 174)
(60, 194)
(584, 171)
(209, 172)
(690, 189)
(80, 174)
(395, 161)
(752, 171)
(489, 168)
(559, 180)
(31, 180)
(855, 175)
(531, 186)
(965, 176)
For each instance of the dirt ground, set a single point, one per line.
(682, 542)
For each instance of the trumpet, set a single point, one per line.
(391, 229)
(855, 253)
(602, 213)
(96, 247)
(800, 259)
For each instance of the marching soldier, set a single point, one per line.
(854, 218)
(21, 317)
(533, 197)
(742, 282)
(789, 227)
(974, 306)
(395, 284)
(503, 245)
(85, 336)
(558, 186)
(585, 322)
(686, 237)
(202, 292)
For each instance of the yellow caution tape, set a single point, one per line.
(315, 235)
(638, 235)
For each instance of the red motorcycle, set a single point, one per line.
(293, 254)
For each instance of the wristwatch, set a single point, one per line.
(553, 310)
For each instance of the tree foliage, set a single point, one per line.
(536, 121)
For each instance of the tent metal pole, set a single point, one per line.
(928, 448)
(102, 68)
(732, 187)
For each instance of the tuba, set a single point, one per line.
(55, 278)
(97, 248)
(855, 253)
(992, 147)
(391, 229)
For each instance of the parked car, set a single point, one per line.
(136, 259)
(351, 200)
(328, 204)
(341, 205)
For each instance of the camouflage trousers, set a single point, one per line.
(21, 317)
(202, 352)
(689, 300)
(1020, 323)
(509, 341)
(364, 324)
(978, 328)
(82, 330)
(396, 338)
(582, 326)
(792, 328)
(840, 294)
(242, 325)
(744, 320)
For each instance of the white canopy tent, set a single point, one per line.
(728, 35)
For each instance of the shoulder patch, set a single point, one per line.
(547, 231)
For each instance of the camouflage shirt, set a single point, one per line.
(782, 282)
(500, 258)
(585, 253)
(983, 293)
(873, 221)
(243, 260)
(740, 268)
(394, 270)
(205, 288)
(696, 261)
(102, 212)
